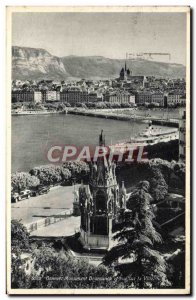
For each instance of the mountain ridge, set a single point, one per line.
(38, 63)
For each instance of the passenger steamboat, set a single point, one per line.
(151, 136)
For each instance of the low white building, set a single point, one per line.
(37, 97)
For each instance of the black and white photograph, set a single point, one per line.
(98, 150)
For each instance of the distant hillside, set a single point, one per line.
(33, 63)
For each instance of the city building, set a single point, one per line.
(173, 98)
(158, 97)
(182, 135)
(92, 96)
(84, 96)
(99, 203)
(64, 96)
(132, 98)
(50, 96)
(143, 97)
(119, 97)
(37, 97)
(26, 96)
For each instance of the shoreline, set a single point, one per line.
(106, 114)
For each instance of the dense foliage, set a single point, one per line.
(23, 180)
(19, 236)
(19, 244)
(49, 268)
(49, 175)
(136, 247)
(158, 185)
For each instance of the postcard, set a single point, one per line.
(98, 150)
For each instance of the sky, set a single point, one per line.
(110, 35)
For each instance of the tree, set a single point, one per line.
(48, 174)
(83, 105)
(19, 244)
(164, 166)
(19, 236)
(100, 105)
(79, 170)
(91, 105)
(125, 105)
(61, 106)
(54, 269)
(176, 263)
(108, 105)
(179, 170)
(65, 174)
(158, 185)
(23, 180)
(136, 239)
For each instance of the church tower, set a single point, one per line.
(99, 204)
(122, 74)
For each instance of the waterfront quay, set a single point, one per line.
(122, 116)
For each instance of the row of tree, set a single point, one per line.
(49, 175)
(63, 105)
(102, 105)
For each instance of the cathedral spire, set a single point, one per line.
(125, 66)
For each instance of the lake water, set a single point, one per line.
(33, 135)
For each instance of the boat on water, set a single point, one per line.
(32, 112)
(151, 136)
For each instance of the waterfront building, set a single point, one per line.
(37, 97)
(119, 97)
(158, 97)
(84, 96)
(64, 96)
(132, 98)
(26, 96)
(100, 202)
(57, 95)
(92, 96)
(182, 135)
(173, 98)
(73, 95)
(143, 97)
(22, 96)
(50, 96)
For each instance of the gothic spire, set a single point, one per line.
(125, 66)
